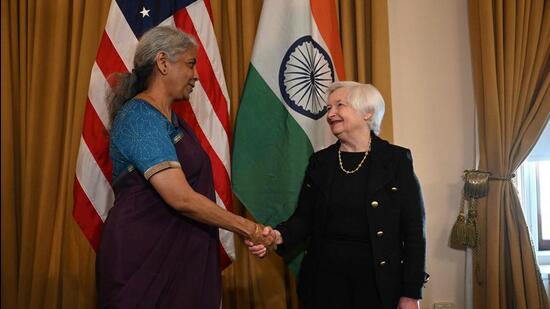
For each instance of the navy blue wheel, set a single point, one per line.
(304, 76)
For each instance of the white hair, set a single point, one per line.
(364, 98)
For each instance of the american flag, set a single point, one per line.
(207, 112)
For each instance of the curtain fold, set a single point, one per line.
(48, 49)
(9, 169)
(366, 48)
(511, 54)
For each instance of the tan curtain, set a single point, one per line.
(511, 55)
(48, 48)
(365, 44)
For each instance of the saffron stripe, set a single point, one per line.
(324, 15)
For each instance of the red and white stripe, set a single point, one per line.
(207, 114)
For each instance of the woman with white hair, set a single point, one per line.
(360, 214)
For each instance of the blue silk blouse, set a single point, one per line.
(141, 137)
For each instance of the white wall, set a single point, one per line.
(433, 115)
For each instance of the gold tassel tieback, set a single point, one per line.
(465, 233)
(458, 231)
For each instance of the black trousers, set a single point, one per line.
(345, 278)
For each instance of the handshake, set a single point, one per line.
(263, 240)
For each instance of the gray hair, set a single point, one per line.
(166, 39)
(364, 98)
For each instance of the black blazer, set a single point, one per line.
(395, 217)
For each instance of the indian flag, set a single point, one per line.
(281, 118)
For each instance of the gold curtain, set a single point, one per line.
(48, 49)
(511, 59)
(365, 44)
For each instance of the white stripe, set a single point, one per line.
(93, 182)
(281, 24)
(97, 92)
(169, 22)
(219, 201)
(210, 124)
(226, 237)
(121, 35)
(201, 20)
(227, 240)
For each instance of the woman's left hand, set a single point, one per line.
(408, 303)
(257, 250)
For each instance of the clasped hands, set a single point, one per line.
(263, 240)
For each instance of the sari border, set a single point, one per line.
(160, 167)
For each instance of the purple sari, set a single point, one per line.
(151, 256)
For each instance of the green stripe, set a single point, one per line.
(270, 153)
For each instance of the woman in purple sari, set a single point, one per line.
(159, 245)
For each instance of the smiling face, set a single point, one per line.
(182, 74)
(342, 118)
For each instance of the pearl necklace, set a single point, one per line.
(358, 166)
